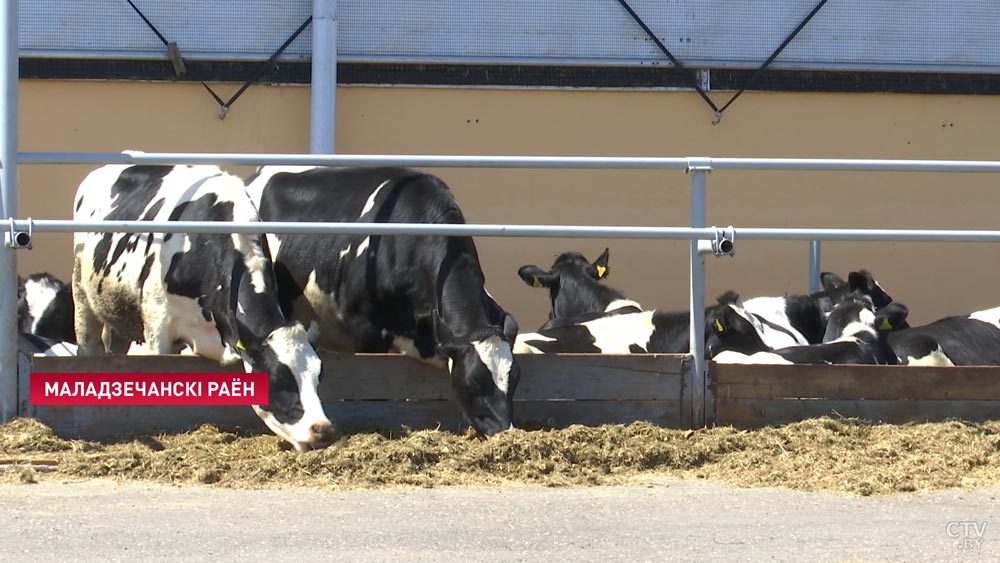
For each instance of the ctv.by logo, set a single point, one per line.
(969, 534)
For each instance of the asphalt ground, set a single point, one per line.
(656, 519)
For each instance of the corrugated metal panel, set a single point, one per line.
(961, 35)
(220, 29)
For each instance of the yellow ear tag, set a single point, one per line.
(536, 283)
(718, 326)
(885, 324)
(600, 271)
(239, 345)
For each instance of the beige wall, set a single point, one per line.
(934, 279)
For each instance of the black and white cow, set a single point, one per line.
(45, 307)
(964, 340)
(578, 296)
(424, 296)
(855, 334)
(727, 327)
(799, 320)
(41, 346)
(214, 293)
(575, 288)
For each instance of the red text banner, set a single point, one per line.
(148, 389)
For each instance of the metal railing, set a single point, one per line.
(698, 169)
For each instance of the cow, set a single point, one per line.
(35, 345)
(575, 288)
(799, 320)
(961, 340)
(855, 334)
(45, 307)
(213, 292)
(577, 296)
(727, 327)
(423, 296)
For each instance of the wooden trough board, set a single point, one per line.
(381, 390)
(755, 395)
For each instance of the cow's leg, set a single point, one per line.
(115, 344)
(88, 326)
(159, 339)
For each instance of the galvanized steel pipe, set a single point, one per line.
(323, 84)
(8, 207)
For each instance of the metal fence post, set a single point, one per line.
(8, 207)
(323, 85)
(699, 169)
(814, 265)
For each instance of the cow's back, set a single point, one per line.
(963, 340)
(360, 288)
(120, 274)
(381, 195)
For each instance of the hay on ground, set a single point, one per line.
(842, 455)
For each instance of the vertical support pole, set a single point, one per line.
(323, 90)
(814, 266)
(699, 169)
(8, 207)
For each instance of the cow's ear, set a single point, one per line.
(721, 323)
(537, 277)
(861, 281)
(510, 327)
(247, 343)
(601, 265)
(830, 281)
(446, 342)
(727, 320)
(892, 317)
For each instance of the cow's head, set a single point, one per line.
(729, 326)
(45, 307)
(856, 317)
(573, 284)
(293, 410)
(862, 282)
(851, 318)
(484, 373)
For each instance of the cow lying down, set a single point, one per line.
(575, 288)
(212, 292)
(961, 340)
(728, 326)
(577, 295)
(35, 345)
(855, 334)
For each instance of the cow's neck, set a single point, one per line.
(464, 304)
(590, 298)
(254, 309)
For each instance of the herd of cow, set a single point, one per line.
(272, 301)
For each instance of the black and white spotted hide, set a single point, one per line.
(856, 334)
(212, 292)
(961, 340)
(35, 345)
(45, 307)
(728, 326)
(799, 320)
(574, 287)
(424, 296)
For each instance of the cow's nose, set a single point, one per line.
(321, 434)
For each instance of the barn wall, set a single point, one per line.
(934, 279)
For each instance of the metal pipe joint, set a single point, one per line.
(723, 244)
(18, 238)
